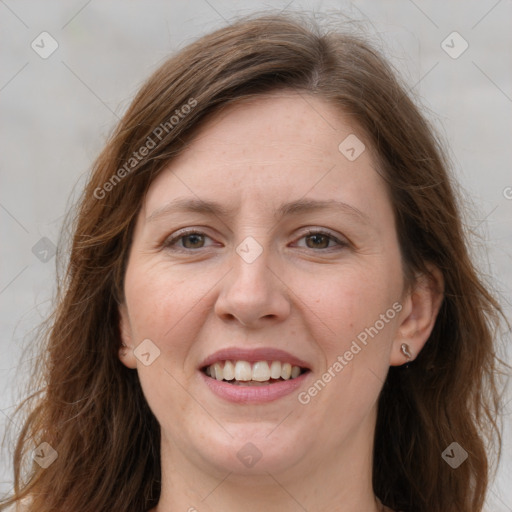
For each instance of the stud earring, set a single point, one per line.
(406, 351)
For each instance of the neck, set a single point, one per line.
(268, 493)
(339, 481)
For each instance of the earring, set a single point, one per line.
(406, 351)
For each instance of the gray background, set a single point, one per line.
(56, 113)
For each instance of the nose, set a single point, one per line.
(253, 293)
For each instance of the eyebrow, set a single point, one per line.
(300, 206)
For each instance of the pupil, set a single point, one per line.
(316, 237)
(192, 237)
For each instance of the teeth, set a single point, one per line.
(261, 371)
(275, 369)
(229, 370)
(217, 371)
(286, 371)
(243, 370)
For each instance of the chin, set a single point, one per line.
(252, 451)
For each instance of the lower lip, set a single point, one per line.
(254, 394)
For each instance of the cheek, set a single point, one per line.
(163, 307)
(344, 305)
(158, 298)
(355, 341)
(168, 306)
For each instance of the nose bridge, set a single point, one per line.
(255, 255)
(252, 291)
(250, 279)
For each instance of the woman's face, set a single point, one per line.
(293, 261)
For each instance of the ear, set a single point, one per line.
(420, 308)
(126, 354)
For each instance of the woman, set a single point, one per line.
(269, 303)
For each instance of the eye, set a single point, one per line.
(320, 239)
(191, 239)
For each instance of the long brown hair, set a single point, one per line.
(90, 408)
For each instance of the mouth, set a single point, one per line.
(259, 373)
(253, 375)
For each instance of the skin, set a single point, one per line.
(304, 294)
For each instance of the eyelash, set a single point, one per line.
(170, 243)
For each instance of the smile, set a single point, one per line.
(258, 373)
(253, 375)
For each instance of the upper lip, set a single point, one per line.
(253, 355)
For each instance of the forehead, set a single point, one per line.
(273, 148)
(286, 124)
